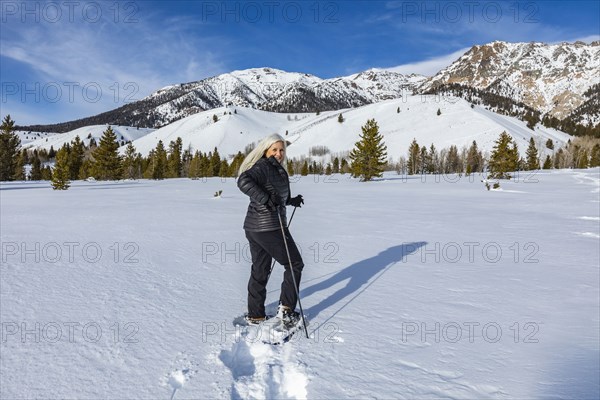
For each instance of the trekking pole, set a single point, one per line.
(274, 261)
(287, 250)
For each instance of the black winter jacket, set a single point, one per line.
(266, 177)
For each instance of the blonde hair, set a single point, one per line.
(260, 150)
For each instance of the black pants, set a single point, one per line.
(264, 246)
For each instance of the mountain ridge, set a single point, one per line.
(550, 78)
(548, 81)
(264, 88)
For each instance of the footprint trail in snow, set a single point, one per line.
(264, 371)
(182, 370)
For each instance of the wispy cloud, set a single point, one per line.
(95, 68)
(584, 39)
(429, 67)
(440, 25)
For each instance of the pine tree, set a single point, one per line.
(423, 160)
(19, 174)
(224, 168)
(76, 156)
(340, 118)
(46, 173)
(159, 161)
(336, 165)
(344, 166)
(215, 163)
(474, 159)
(439, 112)
(107, 162)
(60, 175)
(532, 157)
(36, 167)
(547, 163)
(186, 158)
(368, 158)
(236, 163)
(453, 164)
(305, 169)
(42, 154)
(328, 170)
(9, 149)
(290, 168)
(86, 170)
(194, 172)
(550, 144)
(215, 118)
(174, 161)
(413, 158)
(432, 160)
(504, 157)
(205, 167)
(315, 168)
(130, 162)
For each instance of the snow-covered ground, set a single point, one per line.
(415, 288)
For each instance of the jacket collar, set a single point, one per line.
(274, 161)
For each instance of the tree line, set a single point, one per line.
(504, 157)
(367, 160)
(105, 163)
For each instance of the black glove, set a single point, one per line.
(273, 201)
(297, 201)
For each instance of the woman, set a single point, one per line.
(263, 178)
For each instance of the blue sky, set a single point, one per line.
(61, 60)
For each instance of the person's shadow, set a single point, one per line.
(358, 277)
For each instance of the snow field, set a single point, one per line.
(416, 287)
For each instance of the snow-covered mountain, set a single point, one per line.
(532, 80)
(275, 90)
(261, 88)
(400, 121)
(550, 78)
